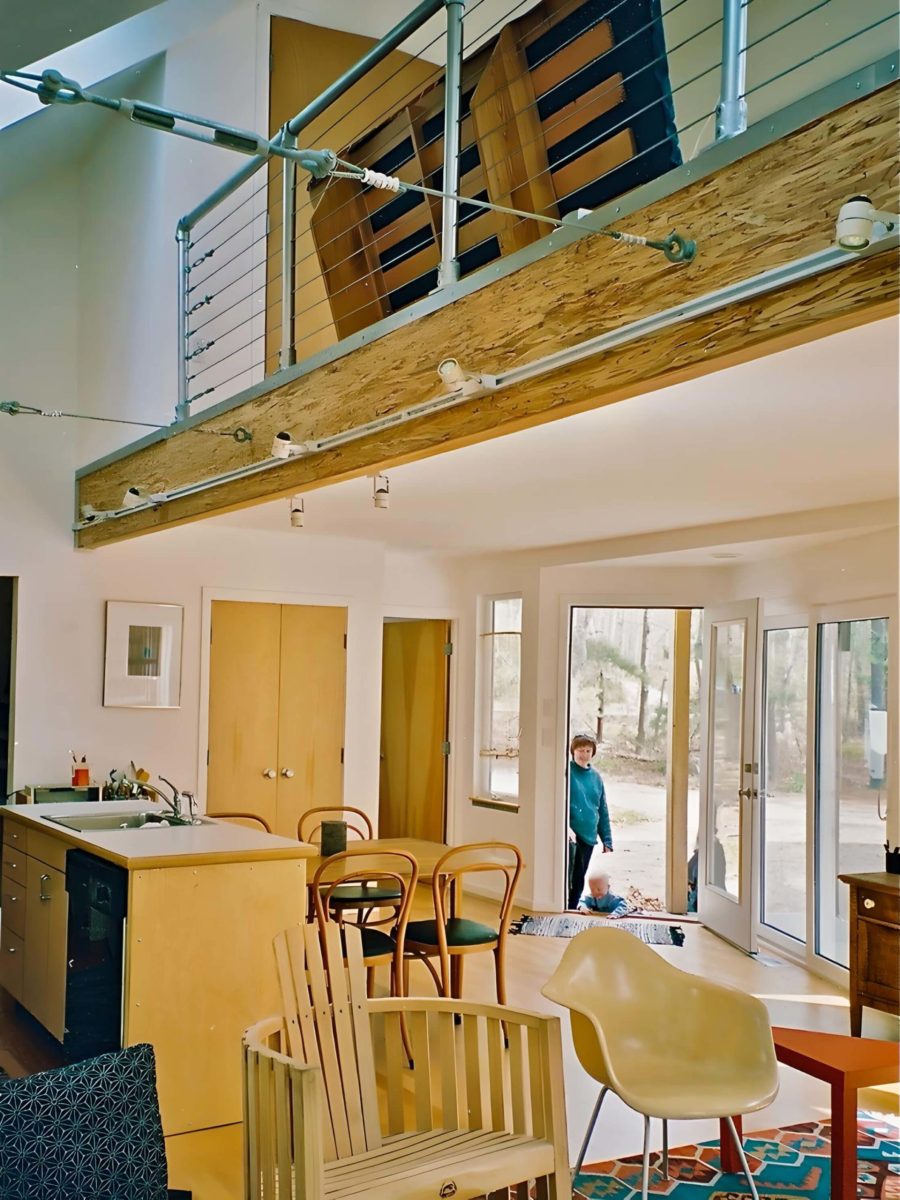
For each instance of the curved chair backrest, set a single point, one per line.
(357, 822)
(359, 867)
(630, 1006)
(475, 858)
(250, 820)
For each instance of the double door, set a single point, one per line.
(277, 692)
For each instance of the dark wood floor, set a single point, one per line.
(25, 1046)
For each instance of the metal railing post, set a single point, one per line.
(448, 272)
(183, 240)
(288, 180)
(731, 111)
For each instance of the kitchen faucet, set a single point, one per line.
(173, 801)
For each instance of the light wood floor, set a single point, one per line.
(210, 1163)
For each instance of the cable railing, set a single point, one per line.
(550, 110)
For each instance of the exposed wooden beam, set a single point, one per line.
(774, 206)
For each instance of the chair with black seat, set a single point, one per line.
(448, 935)
(369, 884)
(355, 819)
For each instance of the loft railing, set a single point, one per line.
(547, 108)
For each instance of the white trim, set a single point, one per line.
(353, 605)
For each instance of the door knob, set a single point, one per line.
(287, 772)
(748, 793)
(270, 773)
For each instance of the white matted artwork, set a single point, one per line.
(143, 655)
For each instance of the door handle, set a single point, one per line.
(43, 895)
(748, 793)
(269, 773)
(287, 772)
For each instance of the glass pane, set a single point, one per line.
(724, 833)
(507, 615)
(851, 769)
(504, 719)
(783, 774)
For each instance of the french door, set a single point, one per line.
(729, 771)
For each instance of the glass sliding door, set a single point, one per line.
(783, 808)
(851, 768)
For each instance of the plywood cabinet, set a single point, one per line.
(35, 924)
(277, 693)
(46, 924)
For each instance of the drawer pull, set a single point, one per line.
(43, 895)
(867, 903)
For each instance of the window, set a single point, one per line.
(851, 775)
(501, 661)
(783, 774)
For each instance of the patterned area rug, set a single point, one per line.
(656, 933)
(788, 1164)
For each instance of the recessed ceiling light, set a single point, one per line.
(723, 554)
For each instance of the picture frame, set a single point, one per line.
(142, 660)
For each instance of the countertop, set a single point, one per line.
(163, 846)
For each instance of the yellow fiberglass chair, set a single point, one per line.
(668, 1043)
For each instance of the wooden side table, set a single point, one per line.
(847, 1064)
(874, 944)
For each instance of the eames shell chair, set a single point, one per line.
(668, 1043)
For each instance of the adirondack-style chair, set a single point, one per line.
(334, 1111)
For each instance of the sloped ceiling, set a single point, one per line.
(30, 31)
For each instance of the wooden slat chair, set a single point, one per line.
(448, 935)
(363, 882)
(250, 820)
(332, 1111)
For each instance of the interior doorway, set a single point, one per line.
(7, 634)
(626, 665)
(412, 794)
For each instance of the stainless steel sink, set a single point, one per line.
(103, 822)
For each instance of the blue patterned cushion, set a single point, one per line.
(91, 1130)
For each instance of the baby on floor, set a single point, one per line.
(598, 898)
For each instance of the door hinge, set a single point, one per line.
(345, 641)
(342, 755)
(448, 648)
(445, 748)
(207, 755)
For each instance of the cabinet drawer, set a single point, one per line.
(878, 906)
(48, 849)
(13, 901)
(12, 962)
(15, 835)
(15, 864)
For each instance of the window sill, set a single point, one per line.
(494, 802)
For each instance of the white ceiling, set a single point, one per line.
(814, 427)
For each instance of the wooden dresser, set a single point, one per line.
(874, 944)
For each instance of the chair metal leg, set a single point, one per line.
(645, 1173)
(590, 1129)
(665, 1158)
(743, 1157)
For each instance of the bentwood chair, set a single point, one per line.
(250, 820)
(382, 883)
(356, 820)
(449, 936)
(470, 1118)
(670, 1044)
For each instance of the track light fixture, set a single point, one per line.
(132, 498)
(284, 446)
(381, 491)
(856, 222)
(297, 510)
(456, 378)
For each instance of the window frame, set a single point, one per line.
(485, 754)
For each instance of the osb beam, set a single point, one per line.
(774, 206)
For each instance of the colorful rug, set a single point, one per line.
(654, 933)
(788, 1164)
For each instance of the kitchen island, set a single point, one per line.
(203, 904)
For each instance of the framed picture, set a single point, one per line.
(143, 655)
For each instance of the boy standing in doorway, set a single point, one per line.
(588, 814)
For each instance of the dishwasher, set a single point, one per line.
(98, 899)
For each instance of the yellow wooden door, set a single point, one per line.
(413, 730)
(311, 712)
(244, 669)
